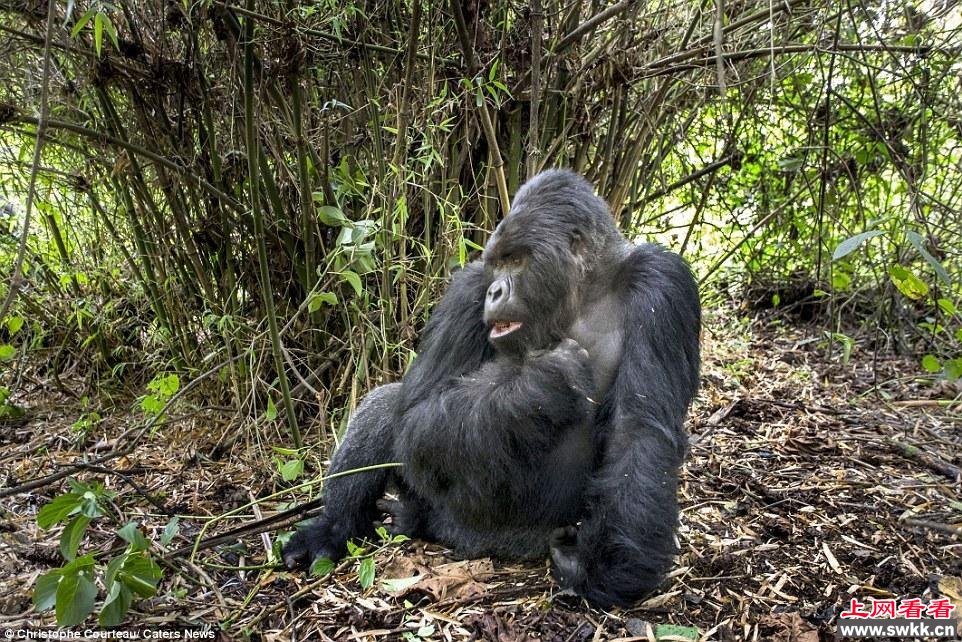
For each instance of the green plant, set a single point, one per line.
(71, 589)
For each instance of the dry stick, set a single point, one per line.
(49, 479)
(136, 149)
(948, 529)
(17, 272)
(494, 150)
(927, 459)
(534, 92)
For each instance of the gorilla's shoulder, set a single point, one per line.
(651, 267)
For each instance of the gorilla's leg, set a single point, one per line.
(350, 501)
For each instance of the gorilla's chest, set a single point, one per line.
(599, 329)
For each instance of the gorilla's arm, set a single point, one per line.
(465, 418)
(626, 543)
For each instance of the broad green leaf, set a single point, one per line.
(675, 632)
(115, 605)
(946, 306)
(399, 585)
(354, 280)
(791, 163)
(270, 414)
(315, 302)
(14, 324)
(332, 216)
(291, 470)
(132, 535)
(75, 599)
(365, 574)
(916, 240)
(907, 283)
(7, 352)
(71, 536)
(321, 566)
(852, 243)
(931, 364)
(170, 531)
(57, 509)
(140, 574)
(45, 590)
(953, 369)
(353, 550)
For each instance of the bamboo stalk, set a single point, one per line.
(267, 296)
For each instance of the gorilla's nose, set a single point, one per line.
(497, 291)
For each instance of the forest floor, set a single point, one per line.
(811, 481)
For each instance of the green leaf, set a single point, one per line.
(353, 550)
(947, 306)
(953, 369)
(315, 302)
(354, 280)
(321, 566)
(111, 31)
(14, 324)
(291, 470)
(931, 364)
(916, 240)
(115, 605)
(791, 163)
(365, 574)
(151, 405)
(170, 531)
(271, 413)
(71, 536)
(907, 283)
(132, 535)
(332, 216)
(166, 386)
(84, 19)
(399, 585)
(45, 590)
(75, 599)
(140, 574)
(675, 631)
(58, 509)
(852, 243)
(7, 352)
(99, 33)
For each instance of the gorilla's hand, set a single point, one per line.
(566, 568)
(308, 544)
(571, 360)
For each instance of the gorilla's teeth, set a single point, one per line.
(502, 328)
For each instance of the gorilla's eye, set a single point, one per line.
(512, 258)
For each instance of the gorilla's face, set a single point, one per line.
(533, 276)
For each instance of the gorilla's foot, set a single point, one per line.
(311, 542)
(566, 567)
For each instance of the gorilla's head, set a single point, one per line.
(541, 256)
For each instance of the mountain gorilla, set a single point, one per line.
(544, 412)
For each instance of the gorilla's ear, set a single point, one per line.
(578, 245)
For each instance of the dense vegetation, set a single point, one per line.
(264, 199)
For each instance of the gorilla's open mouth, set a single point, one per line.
(503, 328)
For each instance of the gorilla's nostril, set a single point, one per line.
(495, 292)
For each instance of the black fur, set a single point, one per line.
(527, 445)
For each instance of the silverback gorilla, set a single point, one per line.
(544, 412)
